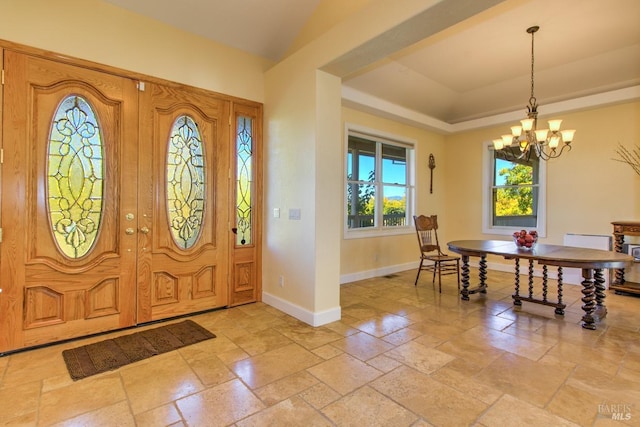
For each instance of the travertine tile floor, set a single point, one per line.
(400, 356)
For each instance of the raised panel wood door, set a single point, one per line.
(183, 200)
(245, 246)
(69, 202)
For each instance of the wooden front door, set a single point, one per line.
(68, 200)
(117, 202)
(183, 199)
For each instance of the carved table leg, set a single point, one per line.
(545, 276)
(589, 306)
(531, 278)
(516, 295)
(465, 278)
(483, 274)
(560, 310)
(598, 277)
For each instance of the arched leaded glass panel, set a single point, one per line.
(244, 179)
(75, 177)
(185, 182)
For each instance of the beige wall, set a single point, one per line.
(99, 32)
(298, 126)
(327, 15)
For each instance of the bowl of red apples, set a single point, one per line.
(526, 240)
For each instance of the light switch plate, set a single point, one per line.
(294, 213)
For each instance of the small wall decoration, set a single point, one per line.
(432, 166)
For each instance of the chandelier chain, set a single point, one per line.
(532, 100)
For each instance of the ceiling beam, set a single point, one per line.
(436, 18)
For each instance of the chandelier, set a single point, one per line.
(526, 138)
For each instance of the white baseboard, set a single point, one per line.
(383, 271)
(302, 314)
(570, 277)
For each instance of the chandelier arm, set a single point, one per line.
(554, 153)
(512, 153)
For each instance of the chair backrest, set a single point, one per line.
(427, 231)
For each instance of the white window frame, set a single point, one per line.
(388, 138)
(487, 200)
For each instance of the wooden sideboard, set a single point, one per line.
(621, 229)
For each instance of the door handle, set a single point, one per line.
(144, 230)
(129, 230)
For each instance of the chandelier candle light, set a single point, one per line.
(527, 138)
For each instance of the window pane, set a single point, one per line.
(394, 206)
(524, 171)
(514, 198)
(510, 173)
(515, 207)
(515, 193)
(185, 182)
(394, 164)
(513, 201)
(360, 205)
(75, 177)
(244, 179)
(362, 159)
(377, 185)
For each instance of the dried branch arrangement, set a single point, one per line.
(630, 157)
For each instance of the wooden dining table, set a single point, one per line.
(592, 262)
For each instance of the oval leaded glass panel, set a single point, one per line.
(75, 177)
(185, 182)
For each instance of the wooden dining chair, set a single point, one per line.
(431, 257)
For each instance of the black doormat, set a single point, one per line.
(113, 353)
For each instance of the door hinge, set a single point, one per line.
(1, 156)
(0, 235)
(2, 77)
(141, 86)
